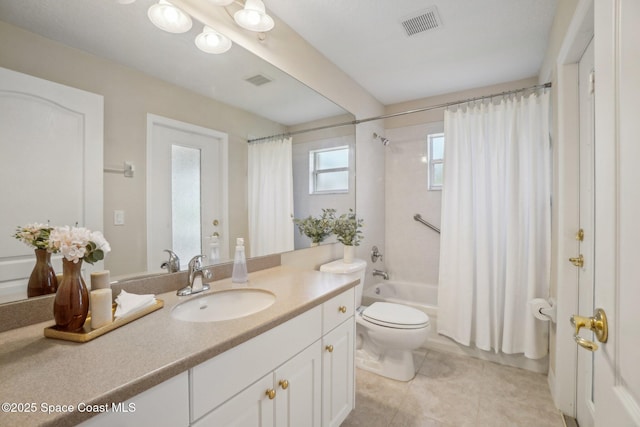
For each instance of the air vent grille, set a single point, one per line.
(422, 21)
(258, 80)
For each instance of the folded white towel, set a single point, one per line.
(130, 303)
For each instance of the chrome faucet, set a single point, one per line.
(173, 265)
(381, 273)
(197, 275)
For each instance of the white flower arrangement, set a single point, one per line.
(35, 235)
(76, 243)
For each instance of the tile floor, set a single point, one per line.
(454, 391)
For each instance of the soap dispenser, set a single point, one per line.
(239, 274)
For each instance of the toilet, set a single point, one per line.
(386, 333)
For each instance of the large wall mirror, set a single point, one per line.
(144, 74)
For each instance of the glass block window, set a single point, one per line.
(329, 170)
(435, 146)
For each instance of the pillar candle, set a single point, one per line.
(101, 313)
(100, 280)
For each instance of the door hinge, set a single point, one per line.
(592, 82)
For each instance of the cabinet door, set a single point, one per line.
(252, 407)
(299, 391)
(338, 374)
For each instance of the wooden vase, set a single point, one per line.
(43, 279)
(71, 305)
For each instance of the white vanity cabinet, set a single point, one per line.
(319, 388)
(289, 396)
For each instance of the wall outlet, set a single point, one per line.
(118, 217)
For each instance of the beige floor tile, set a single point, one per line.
(453, 391)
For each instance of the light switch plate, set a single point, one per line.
(118, 217)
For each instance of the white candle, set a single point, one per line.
(100, 280)
(101, 314)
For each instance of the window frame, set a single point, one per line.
(431, 162)
(315, 172)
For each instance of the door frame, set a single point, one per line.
(565, 211)
(223, 160)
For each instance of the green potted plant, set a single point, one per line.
(347, 229)
(317, 229)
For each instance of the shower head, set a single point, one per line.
(385, 141)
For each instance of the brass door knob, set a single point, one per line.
(342, 309)
(284, 384)
(271, 393)
(597, 323)
(329, 348)
(577, 261)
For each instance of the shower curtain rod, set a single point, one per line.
(403, 113)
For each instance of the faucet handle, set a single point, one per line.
(196, 262)
(173, 264)
(375, 254)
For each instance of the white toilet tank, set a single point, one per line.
(357, 269)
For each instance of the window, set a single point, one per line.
(435, 147)
(329, 170)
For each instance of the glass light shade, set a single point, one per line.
(169, 18)
(254, 17)
(211, 41)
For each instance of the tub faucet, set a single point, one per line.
(173, 264)
(381, 273)
(197, 275)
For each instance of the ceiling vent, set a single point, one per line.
(258, 80)
(422, 21)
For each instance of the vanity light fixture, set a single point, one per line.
(169, 18)
(211, 41)
(253, 17)
(221, 2)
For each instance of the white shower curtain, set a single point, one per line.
(270, 197)
(496, 225)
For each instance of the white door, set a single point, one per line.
(51, 144)
(584, 380)
(617, 210)
(186, 191)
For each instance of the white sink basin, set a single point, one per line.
(223, 305)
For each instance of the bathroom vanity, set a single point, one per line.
(289, 364)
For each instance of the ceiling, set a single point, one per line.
(479, 43)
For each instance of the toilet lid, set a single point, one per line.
(395, 316)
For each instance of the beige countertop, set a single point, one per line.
(131, 359)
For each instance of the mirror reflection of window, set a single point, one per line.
(329, 170)
(435, 143)
(185, 201)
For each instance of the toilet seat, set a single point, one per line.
(396, 316)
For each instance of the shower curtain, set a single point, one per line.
(496, 225)
(270, 197)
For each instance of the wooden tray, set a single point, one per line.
(87, 334)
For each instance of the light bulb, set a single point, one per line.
(169, 18)
(211, 41)
(253, 17)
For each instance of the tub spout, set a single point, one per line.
(381, 273)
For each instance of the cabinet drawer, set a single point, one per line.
(337, 310)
